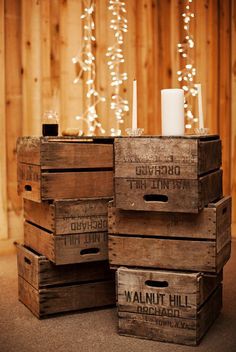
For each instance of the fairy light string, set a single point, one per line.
(115, 55)
(186, 75)
(85, 60)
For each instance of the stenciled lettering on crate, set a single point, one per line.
(49, 289)
(69, 248)
(64, 167)
(69, 216)
(167, 306)
(180, 174)
(68, 231)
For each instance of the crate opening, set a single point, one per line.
(89, 251)
(28, 188)
(27, 260)
(154, 283)
(155, 198)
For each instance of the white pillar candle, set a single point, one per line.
(172, 112)
(134, 109)
(200, 110)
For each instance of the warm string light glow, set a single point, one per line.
(116, 59)
(87, 70)
(187, 74)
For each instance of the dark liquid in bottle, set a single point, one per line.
(50, 129)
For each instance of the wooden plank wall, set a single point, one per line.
(38, 39)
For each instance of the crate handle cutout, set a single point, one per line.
(159, 284)
(27, 260)
(87, 251)
(224, 210)
(155, 198)
(28, 188)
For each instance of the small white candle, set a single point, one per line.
(172, 112)
(134, 110)
(200, 110)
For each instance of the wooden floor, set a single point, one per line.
(95, 331)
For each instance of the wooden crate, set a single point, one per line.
(173, 174)
(67, 249)
(68, 231)
(68, 216)
(198, 242)
(167, 306)
(64, 167)
(48, 289)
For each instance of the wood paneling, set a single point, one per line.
(38, 39)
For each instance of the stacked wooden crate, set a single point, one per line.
(66, 184)
(169, 236)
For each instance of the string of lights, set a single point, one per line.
(115, 56)
(85, 60)
(187, 74)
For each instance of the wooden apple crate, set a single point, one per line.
(173, 174)
(69, 231)
(64, 167)
(48, 289)
(167, 306)
(197, 242)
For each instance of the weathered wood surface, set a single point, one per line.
(166, 157)
(176, 254)
(60, 299)
(69, 248)
(37, 186)
(154, 326)
(181, 292)
(211, 223)
(39, 272)
(171, 195)
(70, 216)
(64, 168)
(66, 152)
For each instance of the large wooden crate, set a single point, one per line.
(198, 242)
(173, 174)
(69, 231)
(48, 289)
(167, 306)
(64, 167)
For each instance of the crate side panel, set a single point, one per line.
(41, 214)
(79, 248)
(162, 253)
(71, 185)
(56, 155)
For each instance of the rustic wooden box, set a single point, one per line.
(167, 306)
(198, 242)
(69, 231)
(48, 289)
(173, 174)
(64, 167)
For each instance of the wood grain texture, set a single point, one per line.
(69, 248)
(175, 330)
(212, 222)
(39, 39)
(3, 146)
(166, 194)
(167, 254)
(78, 185)
(62, 299)
(68, 217)
(39, 272)
(185, 292)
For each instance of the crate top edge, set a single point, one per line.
(160, 271)
(195, 137)
(106, 139)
